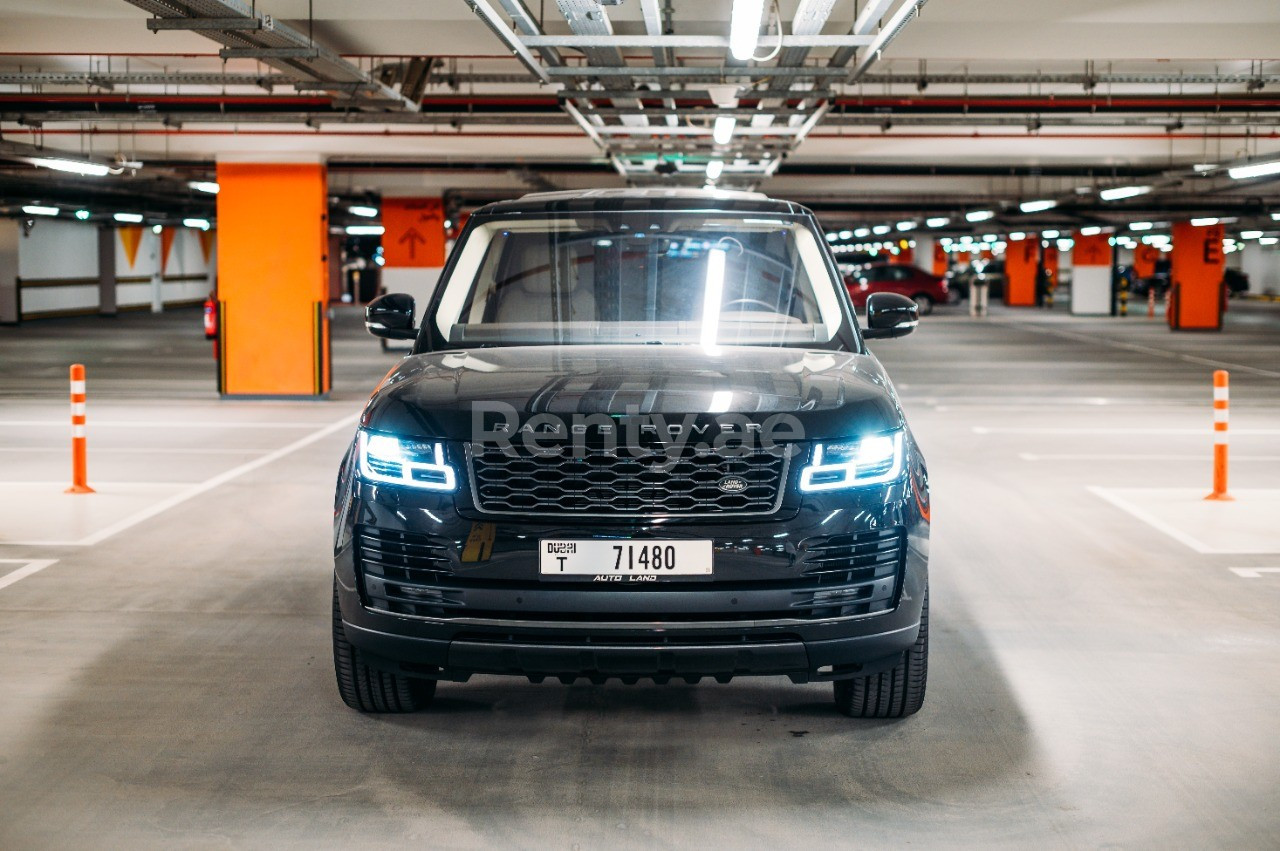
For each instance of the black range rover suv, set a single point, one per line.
(639, 436)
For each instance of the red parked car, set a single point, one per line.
(927, 290)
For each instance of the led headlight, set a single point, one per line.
(872, 460)
(411, 463)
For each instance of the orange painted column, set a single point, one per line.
(939, 260)
(273, 279)
(1196, 300)
(1021, 263)
(1144, 261)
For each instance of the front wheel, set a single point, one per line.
(924, 303)
(369, 689)
(895, 693)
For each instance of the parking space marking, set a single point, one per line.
(1253, 572)
(1205, 457)
(32, 566)
(348, 421)
(1152, 432)
(99, 450)
(1151, 520)
(187, 424)
(1137, 347)
(207, 485)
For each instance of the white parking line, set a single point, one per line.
(1136, 347)
(1253, 572)
(347, 422)
(1235, 432)
(1203, 456)
(178, 424)
(33, 565)
(1151, 520)
(220, 479)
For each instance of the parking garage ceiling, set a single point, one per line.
(858, 108)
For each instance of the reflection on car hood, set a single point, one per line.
(832, 393)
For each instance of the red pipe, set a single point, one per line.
(575, 135)
(1052, 102)
(208, 100)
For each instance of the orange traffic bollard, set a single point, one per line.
(1220, 410)
(79, 454)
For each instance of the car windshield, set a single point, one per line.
(697, 278)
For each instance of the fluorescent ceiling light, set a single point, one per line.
(1243, 172)
(365, 230)
(38, 210)
(906, 225)
(1250, 234)
(880, 230)
(82, 214)
(722, 132)
(1205, 222)
(989, 237)
(1066, 244)
(714, 169)
(1090, 231)
(1037, 206)
(1017, 236)
(1119, 193)
(205, 186)
(861, 232)
(1050, 234)
(80, 167)
(979, 215)
(1141, 225)
(937, 222)
(846, 234)
(1275, 217)
(157, 228)
(1268, 240)
(361, 210)
(831, 237)
(128, 218)
(744, 28)
(202, 224)
(1203, 167)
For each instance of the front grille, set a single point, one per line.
(594, 481)
(855, 574)
(405, 573)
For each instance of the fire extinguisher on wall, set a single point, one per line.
(210, 318)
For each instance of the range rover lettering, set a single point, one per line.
(639, 436)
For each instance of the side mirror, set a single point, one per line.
(890, 315)
(391, 317)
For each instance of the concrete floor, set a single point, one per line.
(1095, 680)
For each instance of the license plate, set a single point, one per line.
(623, 561)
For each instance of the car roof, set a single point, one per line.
(642, 200)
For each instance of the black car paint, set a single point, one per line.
(509, 621)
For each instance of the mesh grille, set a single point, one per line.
(619, 483)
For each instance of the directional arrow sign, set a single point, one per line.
(414, 232)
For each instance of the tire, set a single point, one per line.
(924, 302)
(895, 693)
(368, 689)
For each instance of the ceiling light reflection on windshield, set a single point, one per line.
(712, 296)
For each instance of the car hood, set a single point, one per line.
(445, 394)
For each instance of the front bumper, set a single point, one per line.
(498, 617)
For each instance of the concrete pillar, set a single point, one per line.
(106, 271)
(273, 278)
(10, 299)
(1091, 275)
(1021, 265)
(1196, 264)
(1262, 264)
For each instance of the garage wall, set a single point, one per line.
(58, 269)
